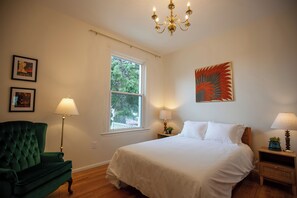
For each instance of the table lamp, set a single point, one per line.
(165, 115)
(285, 121)
(65, 108)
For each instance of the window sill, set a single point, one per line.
(125, 131)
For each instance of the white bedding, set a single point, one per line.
(178, 167)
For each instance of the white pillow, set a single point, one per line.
(194, 129)
(225, 133)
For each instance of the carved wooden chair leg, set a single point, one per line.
(69, 186)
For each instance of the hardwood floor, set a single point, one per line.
(92, 184)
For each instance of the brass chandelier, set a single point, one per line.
(172, 20)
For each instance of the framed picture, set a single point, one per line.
(22, 99)
(24, 68)
(214, 83)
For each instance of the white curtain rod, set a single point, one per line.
(157, 56)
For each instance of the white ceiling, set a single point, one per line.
(131, 19)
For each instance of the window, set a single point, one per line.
(126, 90)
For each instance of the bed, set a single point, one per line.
(206, 160)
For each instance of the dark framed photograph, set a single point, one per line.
(22, 99)
(24, 68)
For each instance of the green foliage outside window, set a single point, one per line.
(125, 90)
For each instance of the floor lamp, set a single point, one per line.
(65, 108)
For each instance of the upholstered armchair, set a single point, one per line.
(25, 169)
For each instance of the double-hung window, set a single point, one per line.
(126, 91)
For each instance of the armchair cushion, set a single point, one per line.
(35, 176)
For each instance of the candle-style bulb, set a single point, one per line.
(154, 9)
(188, 4)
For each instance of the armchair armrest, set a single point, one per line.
(48, 157)
(8, 178)
(8, 175)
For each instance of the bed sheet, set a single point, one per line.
(181, 167)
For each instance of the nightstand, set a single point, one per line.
(163, 135)
(278, 166)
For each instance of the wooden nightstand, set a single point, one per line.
(163, 135)
(278, 166)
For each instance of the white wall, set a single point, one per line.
(72, 62)
(264, 61)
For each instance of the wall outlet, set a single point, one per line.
(94, 145)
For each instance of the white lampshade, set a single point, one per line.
(286, 121)
(67, 107)
(165, 114)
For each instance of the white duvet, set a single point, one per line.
(178, 167)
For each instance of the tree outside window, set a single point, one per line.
(126, 94)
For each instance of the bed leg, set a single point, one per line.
(261, 180)
(294, 189)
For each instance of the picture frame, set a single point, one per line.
(22, 99)
(24, 68)
(214, 83)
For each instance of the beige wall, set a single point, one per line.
(72, 62)
(264, 58)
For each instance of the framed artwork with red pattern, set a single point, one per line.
(214, 83)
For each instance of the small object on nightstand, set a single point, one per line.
(169, 130)
(278, 166)
(274, 144)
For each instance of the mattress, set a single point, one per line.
(181, 167)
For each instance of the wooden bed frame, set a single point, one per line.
(247, 136)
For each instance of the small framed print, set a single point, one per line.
(24, 68)
(22, 99)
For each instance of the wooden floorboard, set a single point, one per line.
(93, 184)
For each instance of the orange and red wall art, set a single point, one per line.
(214, 83)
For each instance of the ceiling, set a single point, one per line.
(131, 19)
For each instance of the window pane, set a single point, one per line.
(125, 111)
(125, 75)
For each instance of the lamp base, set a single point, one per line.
(287, 134)
(165, 126)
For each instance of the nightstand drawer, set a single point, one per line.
(278, 172)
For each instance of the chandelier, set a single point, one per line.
(172, 20)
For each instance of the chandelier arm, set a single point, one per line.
(160, 24)
(164, 27)
(185, 21)
(180, 27)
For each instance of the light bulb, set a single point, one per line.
(186, 17)
(154, 9)
(157, 20)
(188, 4)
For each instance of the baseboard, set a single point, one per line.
(89, 166)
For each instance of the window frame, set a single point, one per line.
(140, 95)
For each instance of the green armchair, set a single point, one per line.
(25, 169)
